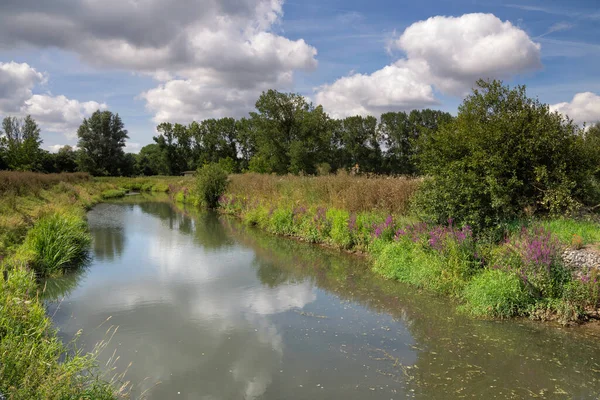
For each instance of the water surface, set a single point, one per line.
(209, 309)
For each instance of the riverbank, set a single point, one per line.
(43, 232)
(522, 273)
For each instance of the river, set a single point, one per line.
(209, 309)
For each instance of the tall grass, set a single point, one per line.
(56, 242)
(341, 191)
(34, 363)
(43, 231)
(22, 183)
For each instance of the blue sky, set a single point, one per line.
(155, 60)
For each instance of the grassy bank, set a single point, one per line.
(43, 232)
(520, 275)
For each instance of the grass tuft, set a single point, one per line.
(58, 241)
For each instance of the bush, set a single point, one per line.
(113, 193)
(211, 183)
(160, 187)
(56, 242)
(497, 294)
(492, 163)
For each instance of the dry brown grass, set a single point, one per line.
(21, 183)
(352, 193)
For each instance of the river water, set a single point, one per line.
(209, 309)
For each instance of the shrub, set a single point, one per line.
(160, 187)
(113, 193)
(211, 183)
(497, 294)
(491, 164)
(56, 242)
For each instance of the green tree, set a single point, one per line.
(504, 156)
(20, 142)
(592, 141)
(215, 140)
(101, 141)
(174, 140)
(152, 161)
(357, 142)
(401, 132)
(65, 159)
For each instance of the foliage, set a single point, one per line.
(497, 294)
(211, 183)
(101, 140)
(401, 132)
(504, 156)
(152, 161)
(20, 143)
(113, 193)
(56, 242)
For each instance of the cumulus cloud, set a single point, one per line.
(444, 53)
(16, 83)
(393, 87)
(52, 113)
(223, 51)
(584, 108)
(56, 147)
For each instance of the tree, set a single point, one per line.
(504, 156)
(152, 161)
(401, 132)
(20, 142)
(215, 140)
(65, 159)
(289, 134)
(101, 140)
(168, 142)
(357, 141)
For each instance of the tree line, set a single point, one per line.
(285, 134)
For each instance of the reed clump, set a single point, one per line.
(57, 242)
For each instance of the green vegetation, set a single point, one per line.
(35, 362)
(113, 193)
(43, 232)
(211, 184)
(505, 157)
(496, 293)
(55, 243)
(101, 140)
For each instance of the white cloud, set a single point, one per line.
(445, 53)
(56, 147)
(58, 113)
(393, 87)
(132, 147)
(224, 50)
(52, 113)
(16, 83)
(584, 108)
